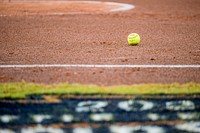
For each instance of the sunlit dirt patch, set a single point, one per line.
(60, 7)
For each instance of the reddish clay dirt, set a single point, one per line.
(169, 33)
(53, 7)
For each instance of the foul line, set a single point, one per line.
(96, 66)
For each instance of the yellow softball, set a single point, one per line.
(133, 39)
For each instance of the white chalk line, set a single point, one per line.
(95, 66)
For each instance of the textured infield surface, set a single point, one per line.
(169, 33)
(60, 7)
(150, 114)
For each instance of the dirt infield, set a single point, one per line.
(59, 7)
(169, 33)
(100, 76)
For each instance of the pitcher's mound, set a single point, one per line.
(61, 7)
